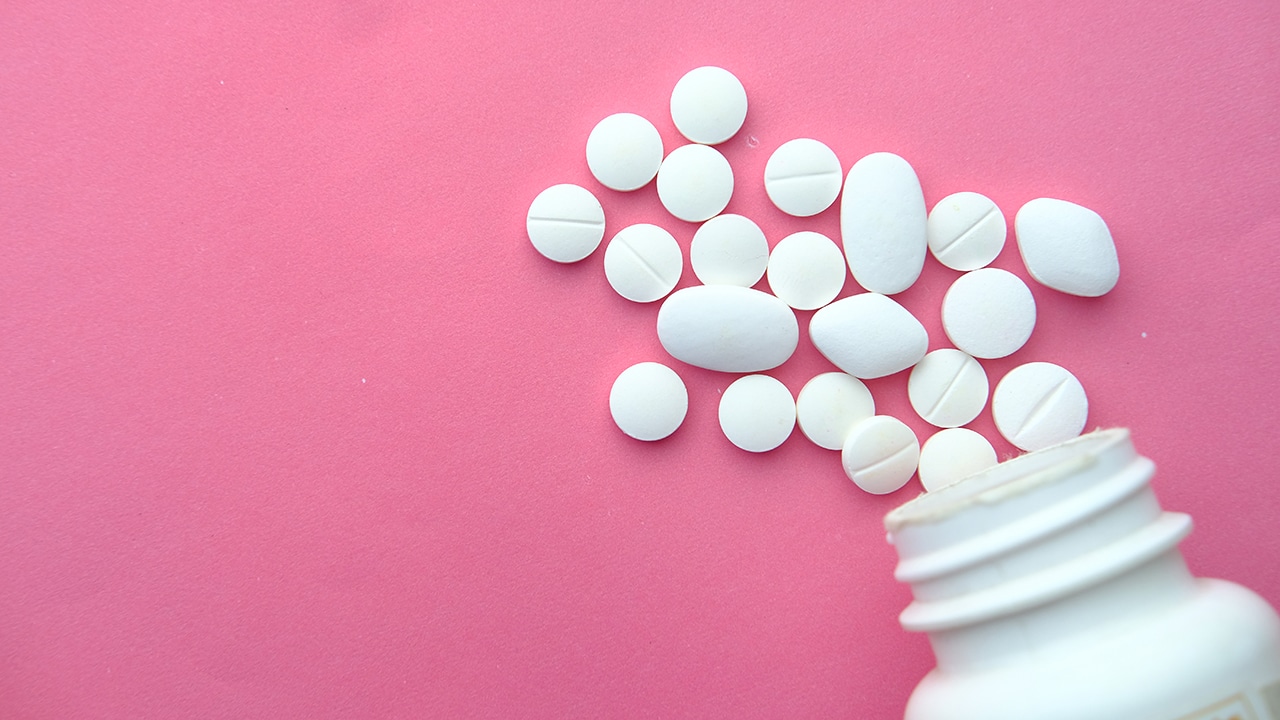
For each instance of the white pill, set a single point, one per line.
(880, 455)
(565, 223)
(829, 405)
(806, 270)
(1039, 404)
(695, 182)
(624, 151)
(952, 455)
(966, 231)
(727, 328)
(868, 335)
(988, 313)
(757, 413)
(729, 250)
(803, 177)
(708, 105)
(948, 388)
(1067, 247)
(883, 223)
(648, 401)
(643, 262)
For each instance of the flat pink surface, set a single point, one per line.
(296, 424)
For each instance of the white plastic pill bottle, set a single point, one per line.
(1052, 588)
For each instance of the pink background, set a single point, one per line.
(295, 422)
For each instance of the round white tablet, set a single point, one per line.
(948, 388)
(565, 223)
(757, 413)
(648, 401)
(1067, 247)
(829, 405)
(1039, 404)
(708, 105)
(729, 250)
(988, 313)
(806, 270)
(953, 454)
(880, 455)
(695, 182)
(803, 177)
(643, 262)
(966, 231)
(624, 151)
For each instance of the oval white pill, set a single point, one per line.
(880, 455)
(624, 151)
(988, 313)
(868, 335)
(708, 105)
(966, 231)
(803, 177)
(829, 405)
(648, 401)
(883, 223)
(757, 413)
(1067, 247)
(695, 182)
(806, 270)
(952, 455)
(565, 223)
(1039, 404)
(643, 262)
(948, 388)
(729, 250)
(727, 328)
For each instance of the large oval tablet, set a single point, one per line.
(727, 328)
(1067, 247)
(883, 223)
(868, 335)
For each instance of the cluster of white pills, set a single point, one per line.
(726, 325)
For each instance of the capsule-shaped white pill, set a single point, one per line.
(868, 335)
(883, 223)
(948, 388)
(727, 328)
(1067, 247)
(1039, 404)
(880, 455)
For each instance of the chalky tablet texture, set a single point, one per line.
(1067, 247)
(643, 262)
(565, 223)
(966, 231)
(803, 177)
(729, 250)
(1039, 404)
(727, 328)
(695, 182)
(624, 151)
(757, 413)
(829, 405)
(952, 455)
(806, 270)
(883, 223)
(948, 388)
(648, 401)
(868, 335)
(708, 105)
(989, 313)
(880, 454)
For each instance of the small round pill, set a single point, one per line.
(803, 177)
(948, 388)
(881, 454)
(624, 151)
(643, 262)
(988, 313)
(757, 413)
(565, 223)
(966, 231)
(1039, 404)
(806, 270)
(953, 454)
(829, 405)
(708, 105)
(695, 182)
(648, 401)
(729, 250)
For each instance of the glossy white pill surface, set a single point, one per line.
(953, 454)
(565, 223)
(729, 250)
(727, 328)
(803, 177)
(757, 413)
(948, 388)
(829, 405)
(1039, 404)
(880, 454)
(643, 262)
(1067, 247)
(624, 151)
(708, 105)
(966, 231)
(868, 335)
(806, 270)
(989, 313)
(883, 223)
(695, 182)
(648, 401)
